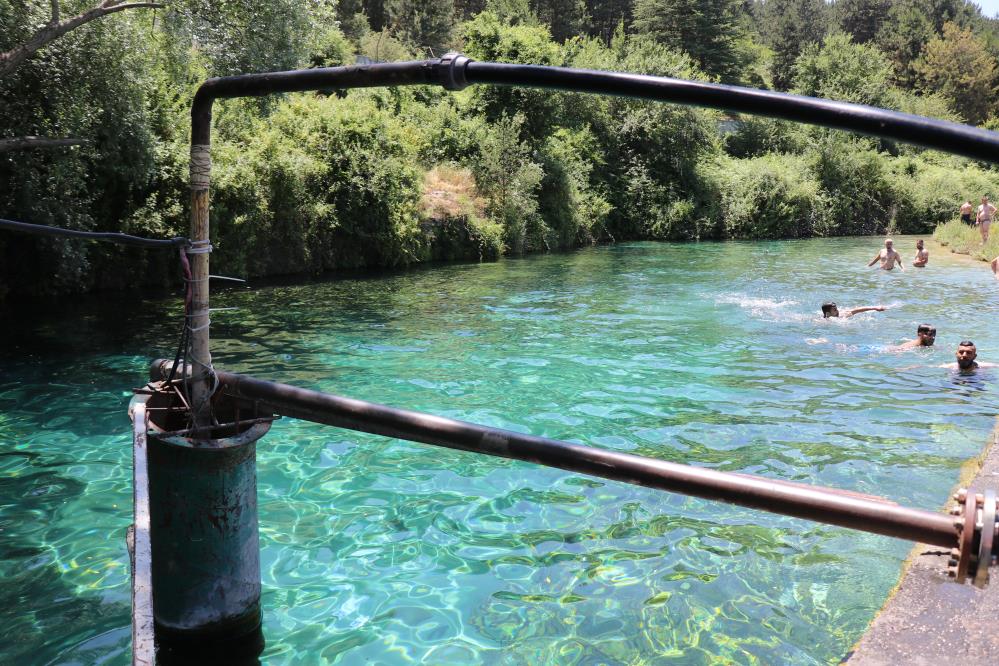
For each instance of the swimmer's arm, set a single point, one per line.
(898, 260)
(866, 308)
(875, 259)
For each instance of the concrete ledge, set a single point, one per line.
(930, 619)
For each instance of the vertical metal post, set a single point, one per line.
(197, 318)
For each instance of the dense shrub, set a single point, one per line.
(767, 197)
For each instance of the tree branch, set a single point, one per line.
(12, 59)
(26, 142)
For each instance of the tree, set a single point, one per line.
(422, 25)
(842, 70)
(708, 30)
(862, 19)
(565, 18)
(958, 66)
(789, 26)
(14, 56)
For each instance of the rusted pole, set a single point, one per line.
(824, 505)
(200, 355)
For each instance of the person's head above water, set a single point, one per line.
(889, 243)
(919, 244)
(966, 355)
(829, 310)
(926, 335)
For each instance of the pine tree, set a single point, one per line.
(707, 30)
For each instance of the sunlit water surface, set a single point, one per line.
(388, 552)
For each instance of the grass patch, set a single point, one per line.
(963, 239)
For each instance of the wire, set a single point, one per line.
(107, 236)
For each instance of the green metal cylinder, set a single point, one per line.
(204, 537)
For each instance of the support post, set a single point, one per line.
(198, 315)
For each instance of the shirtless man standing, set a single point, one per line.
(926, 335)
(922, 255)
(966, 210)
(888, 257)
(984, 220)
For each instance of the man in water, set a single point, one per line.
(888, 257)
(966, 355)
(966, 209)
(830, 310)
(995, 267)
(984, 220)
(922, 255)
(926, 335)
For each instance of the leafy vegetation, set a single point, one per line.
(377, 178)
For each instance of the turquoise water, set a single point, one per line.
(382, 551)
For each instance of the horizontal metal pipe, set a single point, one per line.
(798, 500)
(918, 130)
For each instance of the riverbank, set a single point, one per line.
(960, 238)
(929, 619)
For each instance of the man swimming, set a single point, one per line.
(926, 335)
(966, 355)
(888, 257)
(922, 255)
(830, 310)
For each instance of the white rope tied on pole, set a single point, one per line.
(201, 166)
(199, 247)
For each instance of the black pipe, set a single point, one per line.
(454, 72)
(798, 500)
(106, 236)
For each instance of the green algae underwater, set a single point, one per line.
(382, 551)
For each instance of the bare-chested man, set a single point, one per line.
(830, 310)
(922, 255)
(995, 267)
(984, 220)
(888, 257)
(966, 210)
(926, 335)
(966, 355)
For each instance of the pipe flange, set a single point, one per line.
(451, 71)
(986, 539)
(961, 557)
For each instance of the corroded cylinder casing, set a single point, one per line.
(205, 543)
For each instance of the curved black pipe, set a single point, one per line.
(107, 236)
(455, 72)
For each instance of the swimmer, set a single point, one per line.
(966, 209)
(888, 257)
(995, 267)
(984, 218)
(830, 310)
(966, 355)
(922, 255)
(926, 335)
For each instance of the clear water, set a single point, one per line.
(382, 551)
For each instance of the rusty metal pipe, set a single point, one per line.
(813, 503)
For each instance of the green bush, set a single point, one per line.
(965, 239)
(774, 196)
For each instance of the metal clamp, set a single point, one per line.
(451, 71)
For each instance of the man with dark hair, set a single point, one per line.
(830, 310)
(926, 335)
(922, 255)
(966, 355)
